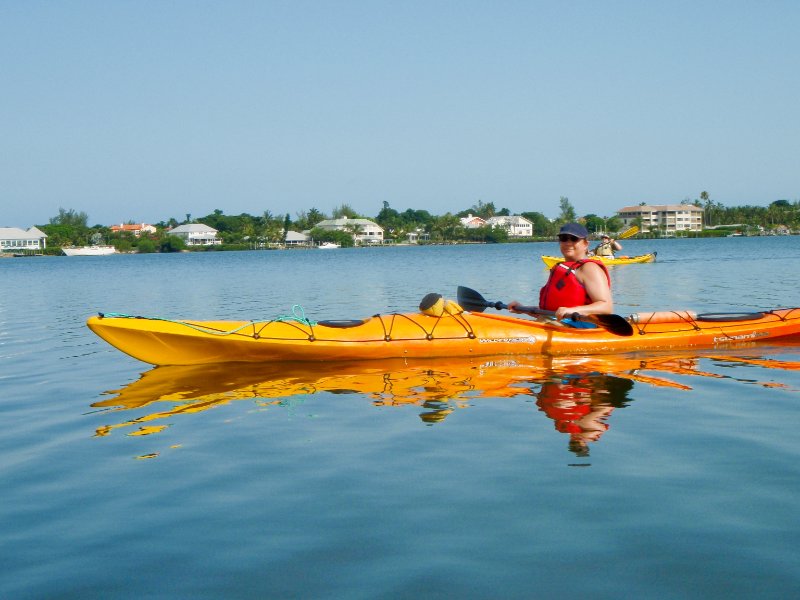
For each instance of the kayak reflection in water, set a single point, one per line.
(581, 404)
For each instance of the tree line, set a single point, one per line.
(70, 227)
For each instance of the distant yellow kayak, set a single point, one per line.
(551, 261)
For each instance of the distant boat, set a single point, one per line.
(90, 251)
(328, 246)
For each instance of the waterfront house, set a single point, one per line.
(363, 231)
(136, 229)
(516, 225)
(294, 238)
(472, 222)
(14, 239)
(196, 234)
(418, 235)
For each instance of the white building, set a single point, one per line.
(136, 229)
(363, 231)
(418, 235)
(14, 239)
(293, 238)
(472, 222)
(196, 234)
(516, 225)
(667, 218)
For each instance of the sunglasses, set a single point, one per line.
(568, 238)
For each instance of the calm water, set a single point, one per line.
(449, 479)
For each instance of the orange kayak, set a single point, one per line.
(416, 335)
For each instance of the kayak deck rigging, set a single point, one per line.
(310, 330)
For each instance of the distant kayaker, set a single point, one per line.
(607, 246)
(579, 284)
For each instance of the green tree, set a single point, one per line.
(308, 220)
(447, 227)
(344, 210)
(542, 226)
(482, 209)
(71, 218)
(171, 243)
(707, 205)
(388, 216)
(146, 246)
(248, 231)
(63, 235)
(615, 224)
(342, 238)
(353, 228)
(392, 223)
(272, 228)
(70, 228)
(494, 235)
(595, 224)
(314, 217)
(567, 211)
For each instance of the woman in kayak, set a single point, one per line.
(607, 247)
(579, 284)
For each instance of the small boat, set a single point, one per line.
(551, 261)
(328, 246)
(451, 332)
(89, 251)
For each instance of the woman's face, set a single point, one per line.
(573, 248)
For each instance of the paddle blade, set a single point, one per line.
(471, 300)
(614, 323)
(630, 232)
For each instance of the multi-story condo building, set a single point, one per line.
(664, 218)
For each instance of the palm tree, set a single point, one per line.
(313, 217)
(353, 229)
(708, 205)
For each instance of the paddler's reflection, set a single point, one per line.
(581, 404)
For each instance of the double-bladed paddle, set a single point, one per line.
(471, 300)
(630, 232)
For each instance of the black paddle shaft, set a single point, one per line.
(471, 300)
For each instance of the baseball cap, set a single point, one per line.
(575, 229)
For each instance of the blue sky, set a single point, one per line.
(144, 110)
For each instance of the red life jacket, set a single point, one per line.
(564, 289)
